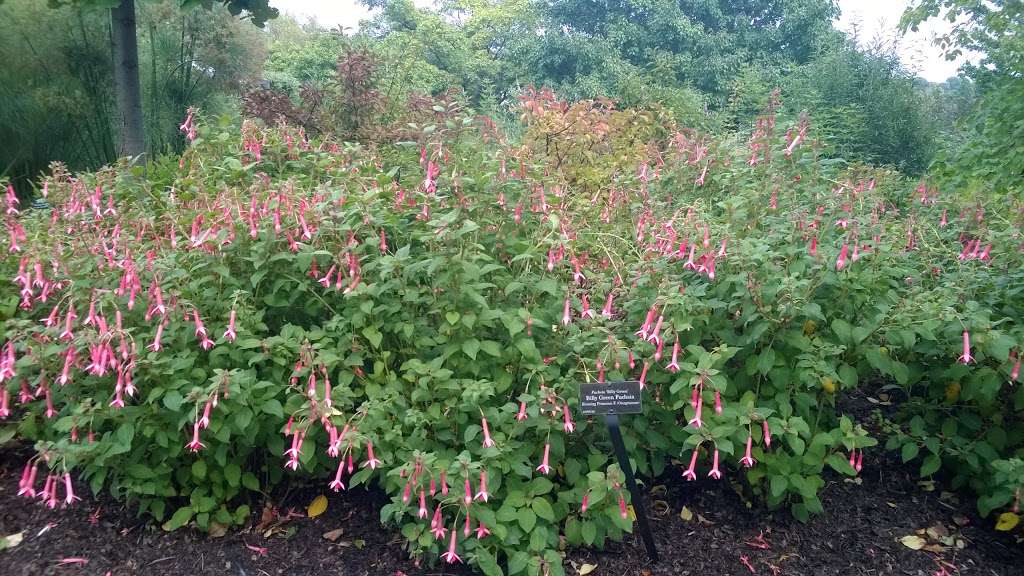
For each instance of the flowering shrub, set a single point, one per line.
(419, 317)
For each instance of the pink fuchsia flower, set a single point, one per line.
(587, 312)
(26, 487)
(444, 483)
(696, 420)
(643, 375)
(544, 468)
(450, 556)
(860, 461)
(488, 442)
(155, 346)
(942, 221)
(853, 458)
(467, 527)
(585, 503)
(566, 313)
(623, 511)
(337, 484)
(567, 423)
(468, 499)
(371, 460)
(481, 531)
(659, 351)
(643, 332)
(204, 421)
(715, 472)
(437, 526)
(767, 433)
(522, 412)
(406, 491)
(718, 402)
(655, 335)
(841, 260)
(1015, 372)
(5, 402)
(748, 461)
(607, 310)
(691, 472)
(673, 366)
(482, 493)
(813, 248)
(966, 357)
(230, 334)
(69, 492)
(423, 505)
(195, 445)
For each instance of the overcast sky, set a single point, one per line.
(874, 18)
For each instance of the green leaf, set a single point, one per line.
(487, 562)
(173, 400)
(517, 562)
(199, 469)
(471, 347)
(930, 465)
(250, 481)
(233, 474)
(543, 509)
(527, 519)
(452, 317)
(909, 451)
(373, 335)
(181, 517)
(777, 485)
(589, 532)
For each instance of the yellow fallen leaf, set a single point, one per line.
(686, 514)
(913, 542)
(12, 540)
(333, 535)
(317, 507)
(587, 569)
(632, 513)
(1007, 521)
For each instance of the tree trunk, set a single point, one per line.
(125, 47)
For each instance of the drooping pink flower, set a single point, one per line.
(566, 313)
(195, 445)
(673, 366)
(587, 312)
(450, 556)
(718, 402)
(623, 511)
(468, 498)
(423, 505)
(691, 472)
(444, 483)
(767, 433)
(860, 461)
(481, 530)
(715, 472)
(966, 357)
(482, 493)
(467, 527)
(1015, 372)
(643, 375)
(813, 248)
(371, 460)
(841, 260)
(585, 503)
(488, 442)
(28, 479)
(748, 460)
(607, 310)
(69, 492)
(5, 402)
(204, 421)
(437, 524)
(230, 334)
(337, 484)
(655, 335)
(544, 468)
(853, 458)
(644, 329)
(567, 423)
(696, 420)
(522, 412)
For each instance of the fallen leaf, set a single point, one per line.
(937, 531)
(660, 507)
(587, 569)
(217, 530)
(913, 542)
(333, 535)
(359, 544)
(934, 548)
(686, 514)
(961, 520)
(704, 520)
(658, 491)
(632, 513)
(317, 507)
(12, 540)
(891, 504)
(1007, 521)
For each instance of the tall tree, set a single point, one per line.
(125, 57)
